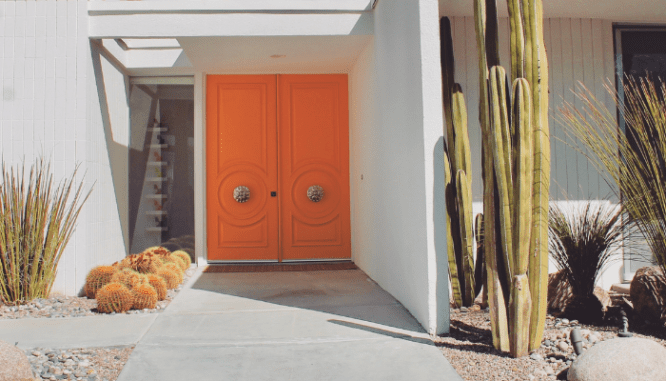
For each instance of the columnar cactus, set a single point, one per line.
(516, 162)
(114, 297)
(96, 279)
(458, 168)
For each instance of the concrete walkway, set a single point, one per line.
(319, 325)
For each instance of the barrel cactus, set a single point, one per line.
(96, 279)
(184, 256)
(114, 297)
(157, 250)
(177, 270)
(126, 276)
(170, 277)
(144, 296)
(159, 285)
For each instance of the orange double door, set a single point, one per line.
(277, 167)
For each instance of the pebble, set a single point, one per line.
(53, 364)
(548, 370)
(537, 357)
(563, 346)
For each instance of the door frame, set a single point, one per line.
(200, 175)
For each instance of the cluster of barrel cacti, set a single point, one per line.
(457, 177)
(138, 281)
(516, 174)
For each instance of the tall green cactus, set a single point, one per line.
(537, 76)
(516, 161)
(458, 172)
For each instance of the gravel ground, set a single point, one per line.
(85, 364)
(469, 348)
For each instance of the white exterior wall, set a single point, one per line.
(49, 107)
(396, 132)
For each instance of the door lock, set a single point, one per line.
(273, 194)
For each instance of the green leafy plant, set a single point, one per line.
(634, 162)
(583, 242)
(36, 222)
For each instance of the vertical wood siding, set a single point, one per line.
(579, 50)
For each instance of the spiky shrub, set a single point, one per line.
(170, 277)
(144, 296)
(96, 279)
(583, 242)
(159, 284)
(634, 161)
(183, 257)
(114, 297)
(36, 223)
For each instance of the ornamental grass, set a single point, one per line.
(36, 222)
(633, 161)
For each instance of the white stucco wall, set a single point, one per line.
(396, 129)
(49, 108)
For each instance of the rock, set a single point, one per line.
(621, 359)
(565, 321)
(14, 363)
(561, 301)
(537, 357)
(563, 346)
(549, 371)
(539, 373)
(647, 293)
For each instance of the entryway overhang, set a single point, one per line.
(391, 56)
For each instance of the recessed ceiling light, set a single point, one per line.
(278, 55)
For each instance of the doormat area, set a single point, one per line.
(260, 268)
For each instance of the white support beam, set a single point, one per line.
(174, 25)
(209, 6)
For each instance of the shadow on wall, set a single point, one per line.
(439, 221)
(118, 153)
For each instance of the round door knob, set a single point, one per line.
(315, 193)
(241, 193)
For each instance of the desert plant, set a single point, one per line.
(184, 257)
(516, 173)
(457, 177)
(159, 284)
(96, 279)
(583, 242)
(144, 296)
(633, 161)
(177, 270)
(170, 277)
(126, 276)
(114, 297)
(36, 223)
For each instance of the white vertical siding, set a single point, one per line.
(578, 50)
(49, 107)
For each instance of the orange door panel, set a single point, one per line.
(241, 150)
(313, 134)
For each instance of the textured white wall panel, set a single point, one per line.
(49, 107)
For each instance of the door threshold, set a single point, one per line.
(275, 266)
